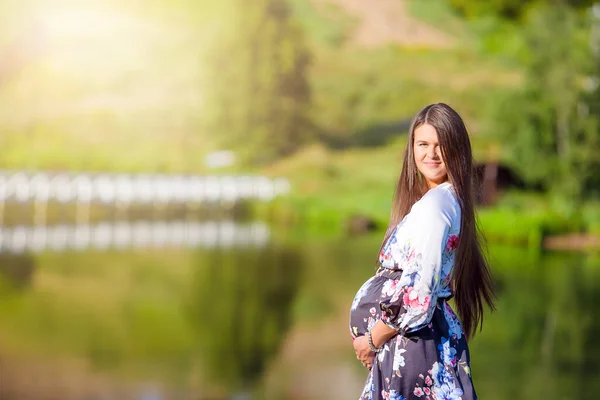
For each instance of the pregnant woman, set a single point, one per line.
(403, 329)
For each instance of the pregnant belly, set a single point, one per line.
(365, 310)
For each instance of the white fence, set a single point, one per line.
(127, 235)
(23, 187)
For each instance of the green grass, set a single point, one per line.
(326, 25)
(343, 182)
(358, 89)
(330, 186)
(591, 213)
(439, 13)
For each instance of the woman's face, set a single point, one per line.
(428, 155)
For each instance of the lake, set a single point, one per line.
(225, 310)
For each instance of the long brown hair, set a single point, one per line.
(472, 278)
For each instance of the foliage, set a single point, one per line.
(505, 8)
(510, 9)
(549, 134)
(257, 89)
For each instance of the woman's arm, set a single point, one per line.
(381, 333)
(411, 300)
(408, 303)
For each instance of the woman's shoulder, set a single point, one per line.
(441, 198)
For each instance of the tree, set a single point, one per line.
(510, 9)
(257, 89)
(546, 126)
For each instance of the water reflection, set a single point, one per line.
(241, 311)
(169, 322)
(17, 269)
(542, 343)
(239, 319)
(140, 234)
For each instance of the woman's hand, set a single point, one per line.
(363, 351)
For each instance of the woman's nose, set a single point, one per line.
(431, 153)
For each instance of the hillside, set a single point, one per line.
(117, 87)
(386, 22)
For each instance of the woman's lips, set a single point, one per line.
(432, 164)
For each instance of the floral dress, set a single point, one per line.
(429, 358)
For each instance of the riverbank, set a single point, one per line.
(499, 226)
(330, 188)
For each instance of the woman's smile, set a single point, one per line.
(428, 155)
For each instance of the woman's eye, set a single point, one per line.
(423, 144)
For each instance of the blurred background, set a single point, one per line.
(192, 191)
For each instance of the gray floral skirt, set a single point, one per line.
(430, 363)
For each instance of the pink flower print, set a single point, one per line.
(397, 294)
(411, 255)
(427, 391)
(385, 257)
(428, 381)
(373, 311)
(411, 299)
(452, 243)
(418, 392)
(390, 287)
